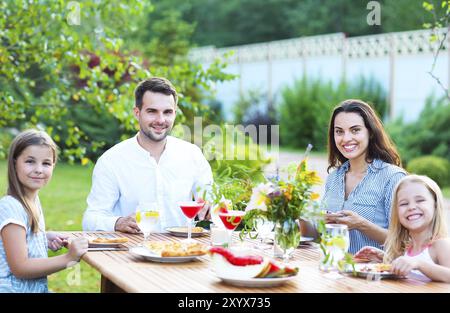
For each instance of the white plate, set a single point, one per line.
(176, 233)
(303, 240)
(257, 282)
(148, 255)
(104, 245)
(371, 274)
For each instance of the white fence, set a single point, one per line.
(399, 61)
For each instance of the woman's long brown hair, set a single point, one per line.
(380, 145)
(15, 187)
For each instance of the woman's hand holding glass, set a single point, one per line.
(345, 217)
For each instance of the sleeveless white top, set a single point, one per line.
(423, 256)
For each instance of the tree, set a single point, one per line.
(441, 19)
(51, 71)
(234, 22)
(403, 15)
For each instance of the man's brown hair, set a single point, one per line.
(154, 84)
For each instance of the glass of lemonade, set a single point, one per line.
(336, 242)
(147, 218)
(264, 228)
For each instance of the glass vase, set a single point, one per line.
(287, 238)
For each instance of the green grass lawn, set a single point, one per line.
(64, 201)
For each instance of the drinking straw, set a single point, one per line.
(305, 156)
(307, 151)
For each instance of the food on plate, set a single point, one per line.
(383, 267)
(176, 249)
(185, 230)
(377, 268)
(109, 240)
(233, 264)
(368, 254)
(277, 269)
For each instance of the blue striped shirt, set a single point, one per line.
(371, 198)
(12, 212)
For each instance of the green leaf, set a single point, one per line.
(48, 75)
(428, 6)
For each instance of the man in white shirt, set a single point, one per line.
(150, 167)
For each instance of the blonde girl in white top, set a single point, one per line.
(417, 236)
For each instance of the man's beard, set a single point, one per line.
(152, 137)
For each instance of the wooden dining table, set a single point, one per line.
(123, 271)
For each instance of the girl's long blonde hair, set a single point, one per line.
(398, 238)
(15, 188)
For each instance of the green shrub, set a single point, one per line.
(5, 140)
(429, 135)
(236, 164)
(236, 158)
(248, 104)
(305, 108)
(304, 112)
(434, 167)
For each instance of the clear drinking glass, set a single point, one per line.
(219, 235)
(336, 242)
(147, 218)
(231, 219)
(264, 228)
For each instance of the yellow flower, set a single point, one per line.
(288, 192)
(314, 196)
(313, 178)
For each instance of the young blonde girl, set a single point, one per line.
(417, 237)
(24, 262)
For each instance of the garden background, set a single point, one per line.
(70, 68)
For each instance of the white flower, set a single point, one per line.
(259, 197)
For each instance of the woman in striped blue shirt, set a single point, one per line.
(359, 192)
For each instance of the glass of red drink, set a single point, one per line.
(190, 210)
(231, 220)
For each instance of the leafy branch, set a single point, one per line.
(438, 36)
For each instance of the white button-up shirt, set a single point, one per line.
(127, 174)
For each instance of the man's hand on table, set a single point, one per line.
(204, 213)
(127, 224)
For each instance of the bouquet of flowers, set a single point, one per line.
(284, 202)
